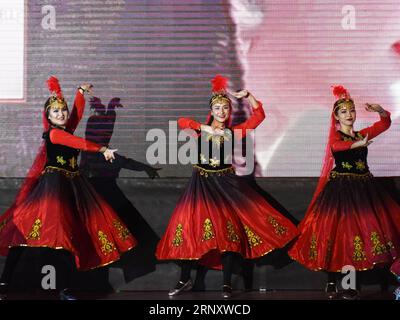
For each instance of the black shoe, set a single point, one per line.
(350, 294)
(226, 291)
(3, 290)
(331, 290)
(65, 294)
(181, 286)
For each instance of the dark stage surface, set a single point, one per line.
(206, 296)
(155, 201)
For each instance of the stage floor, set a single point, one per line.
(202, 296)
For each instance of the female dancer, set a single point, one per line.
(219, 215)
(56, 207)
(351, 219)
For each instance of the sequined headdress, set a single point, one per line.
(56, 100)
(343, 98)
(219, 94)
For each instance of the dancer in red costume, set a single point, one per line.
(351, 220)
(219, 215)
(56, 207)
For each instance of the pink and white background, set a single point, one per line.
(159, 56)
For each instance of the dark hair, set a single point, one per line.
(338, 102)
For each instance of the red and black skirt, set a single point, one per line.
(354, 221)
(217, 213)
(64, 211)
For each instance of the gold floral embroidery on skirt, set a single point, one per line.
(232, 235)
(313, 253)
(35, 231)
(329, 248)
(178, 240)
(208, 232)
(123, 231)
(390, 245)
(359, 253)
(279, 229)
(377, 246)
(106, 246)
(252, 237)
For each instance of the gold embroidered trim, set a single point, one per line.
(359, 253)
(313, 253)
(329, 252)
(123, 232)
(335, 174)
(67, 173)
(178, 240)
(279, 229)
(3, 224)
(207, 172)
(359, 136)
(232, 235)
(208, 232)
(253, 239)
(35, 231)
(106, 246)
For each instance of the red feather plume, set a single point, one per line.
(219, 83)
(54, 86)
(340, 92)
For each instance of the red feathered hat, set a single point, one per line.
(219, 85)
(56, 99)
(342, 96)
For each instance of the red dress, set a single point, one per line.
(60, 209)
(353, 220)
(219, 212)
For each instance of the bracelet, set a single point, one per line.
(103, 149)
(84, 91)
(247, 95)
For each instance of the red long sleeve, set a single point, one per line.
(186, 123)
(337, 144)
(58, 136)
(378, 127)
(253, 122)
(77, 112)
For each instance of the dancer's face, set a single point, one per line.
(58, 116)
(220, 111)
(346, 115)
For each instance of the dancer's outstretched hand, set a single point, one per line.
(373, 107)
(152, 172)
(211, 130)
(362, 143)
(87, 87)
(109, 154)
(240, 94)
